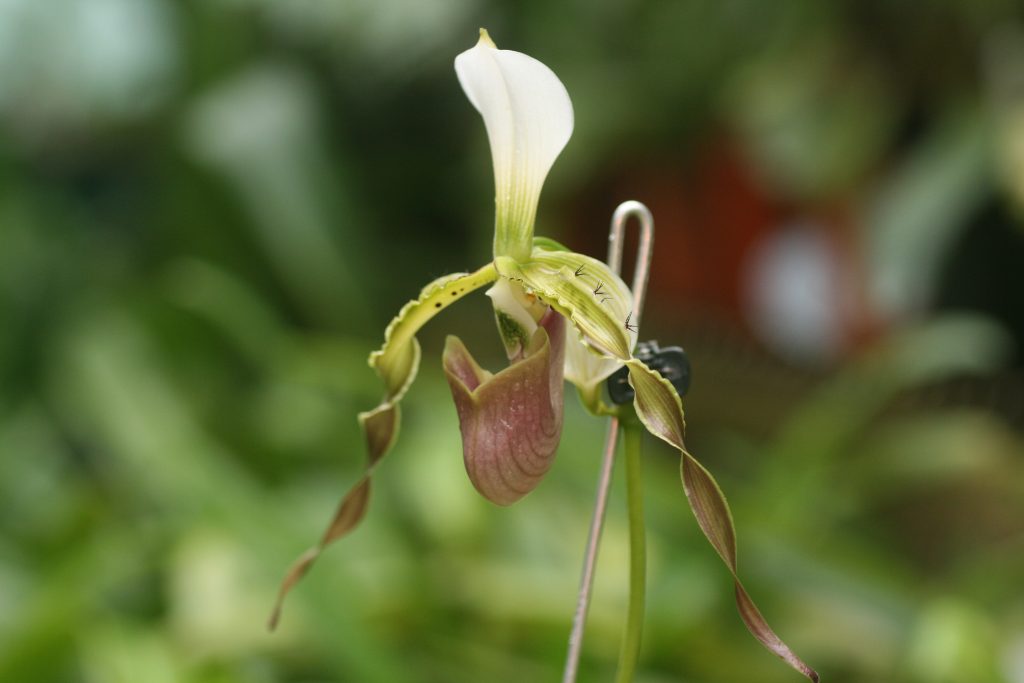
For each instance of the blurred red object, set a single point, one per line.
(713, 215)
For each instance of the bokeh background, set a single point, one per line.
(209, 209)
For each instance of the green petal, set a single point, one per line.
(396, 362)
(660, 409)
(593, 298)
(599, 317)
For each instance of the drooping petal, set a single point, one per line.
(584, 368)
(529, 119)
(510, 422)
(657, 404)
(583, 289)
(660, 409)
(396, 363)
(595, 299)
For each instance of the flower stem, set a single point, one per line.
(630, 653)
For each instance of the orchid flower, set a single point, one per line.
(560, 315)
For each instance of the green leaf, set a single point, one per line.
(396, 362)
(660, 409)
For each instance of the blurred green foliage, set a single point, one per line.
(210, 208)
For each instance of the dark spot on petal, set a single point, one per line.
(437, 305)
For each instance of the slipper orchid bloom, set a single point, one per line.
(560, 315)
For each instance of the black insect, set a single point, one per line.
(606, 298)
(630, 326)
(579, 271)
(597, 290)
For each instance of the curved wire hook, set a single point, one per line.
(644, 251)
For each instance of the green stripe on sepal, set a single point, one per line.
(660, 409)
(396, 362)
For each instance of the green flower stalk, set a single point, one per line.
(560, 315)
